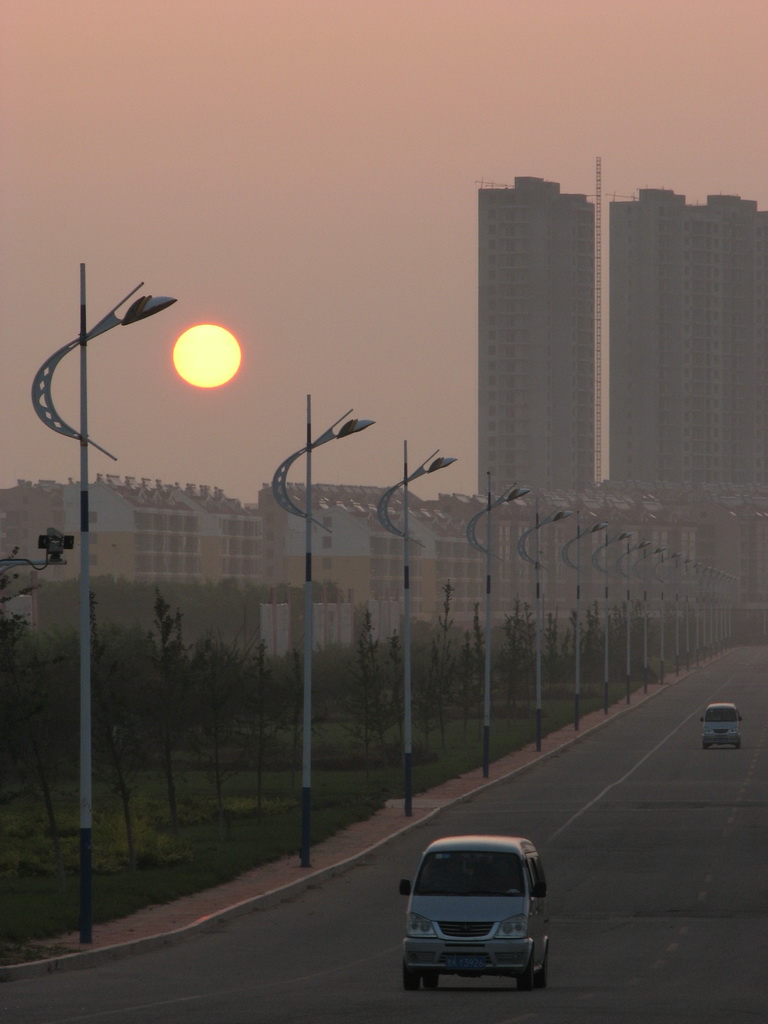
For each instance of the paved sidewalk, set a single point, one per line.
(272, 883)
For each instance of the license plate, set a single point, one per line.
(465, 963)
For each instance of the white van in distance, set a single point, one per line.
(478, 906)
(722, 726)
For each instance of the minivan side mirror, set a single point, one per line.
(539, 890)
(405, 887)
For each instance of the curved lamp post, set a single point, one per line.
(658, 570)
(676, 558)
(382, 512)
(536, 562)
(720, 581)
(686, 612)
(42, 402)
(709, 610)
(628, 574)
(697, 612)
(729, 593)
(280, 492)
(595, 528)
(509, 495)
(642, 576)
(606, 624)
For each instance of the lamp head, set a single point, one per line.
(144, 306)
(433, 466)
(440, 463)
(598, 527)
(517, 492)
(353, 426)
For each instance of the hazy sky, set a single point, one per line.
(304, 172)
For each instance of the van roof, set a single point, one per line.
(721, 704)
(504, 844)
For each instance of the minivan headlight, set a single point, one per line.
(513, 927)
(419, 927)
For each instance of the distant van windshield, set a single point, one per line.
(720, 715)
(465, 872)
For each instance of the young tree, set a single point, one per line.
(367, 699)
(393, 680)
(218, 670)
(517, 657)
(555, 653)
(592, 647)
(470, 674)
(168, 695)
(433, 686)
(119, 660)
(262, 716)
(293, 709)
(37, 698)
(12, 628)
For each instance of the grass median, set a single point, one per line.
(208, 852)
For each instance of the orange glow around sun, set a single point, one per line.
(207, 356)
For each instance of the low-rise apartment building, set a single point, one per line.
(693, 539)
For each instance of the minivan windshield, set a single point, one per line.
(470, 873)
(720, 715)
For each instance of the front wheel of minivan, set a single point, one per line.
(411, 979)
(525, 980)
(541, 976)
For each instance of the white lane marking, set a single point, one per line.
(626, 775)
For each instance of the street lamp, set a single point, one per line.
(720, 580)
(644, 578)
(382, 513)
(536, 562)
(677, 556)
(280, 492)
(657, 569)
(696, 612)
(509, 495)
(595, 528)
(42, 402)
(729, 592)
(709, 610)
(606, 625)
(628, 573)
(686, 563)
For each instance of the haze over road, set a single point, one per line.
(655, 855)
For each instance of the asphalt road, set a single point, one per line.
(655, 852)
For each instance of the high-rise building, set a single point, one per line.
(688, 340)
(536, 393)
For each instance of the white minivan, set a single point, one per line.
(478, 905)
(721, 725)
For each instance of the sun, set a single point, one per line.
(207, 356)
